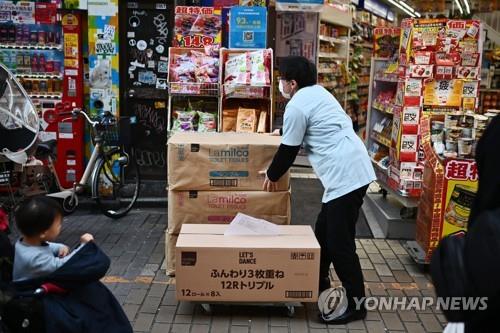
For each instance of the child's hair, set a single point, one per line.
(36, 215)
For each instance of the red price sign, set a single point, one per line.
(197, 41)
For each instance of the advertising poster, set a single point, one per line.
(296, 34)
(460, 187)
(75, 4)
(386, 42)
(197, 26)
(103, 57)
(444, 93)
(248, 27)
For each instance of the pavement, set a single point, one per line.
(136, 246)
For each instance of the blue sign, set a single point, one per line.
(248, 28)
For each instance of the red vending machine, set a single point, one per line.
(42, 45)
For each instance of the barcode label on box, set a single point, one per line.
(302, 256)
(298, 294)
(224, 182)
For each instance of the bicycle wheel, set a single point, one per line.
(115, 193)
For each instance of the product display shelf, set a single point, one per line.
(333, 54)
(258, 96)
(188, 90)
(37, 64)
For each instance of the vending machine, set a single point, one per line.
(42, 45)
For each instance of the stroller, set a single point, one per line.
(69, 300)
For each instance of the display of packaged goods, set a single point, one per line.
(222, 161)
(212, 266)
(219, 207)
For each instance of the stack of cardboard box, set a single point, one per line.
(213, 176)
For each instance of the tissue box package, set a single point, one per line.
(221, 161)
(214, 267)
(220, 207)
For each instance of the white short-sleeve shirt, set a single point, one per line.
(314, 118)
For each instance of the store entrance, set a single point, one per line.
(144, 41)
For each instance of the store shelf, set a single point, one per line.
(46, 96)
(335, 16)
(194, 89)
(328, 71)
(246, 91)
(332, 84)
(387, 109)
(386, 78)
(39, 76)
(30, 47)
(331, 55)
(381, 139)
(333, 40)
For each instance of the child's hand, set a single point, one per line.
(86, 238)
(63, 251)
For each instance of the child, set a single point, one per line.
(39, 221)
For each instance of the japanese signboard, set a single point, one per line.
(197, 26)
(386, 41)
(460, 187)
(248, 27)
(215, 267)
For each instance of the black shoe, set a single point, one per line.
(347, 317)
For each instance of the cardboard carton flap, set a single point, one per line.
(203, 235)
(224, 138)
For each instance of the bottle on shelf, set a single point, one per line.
(41, 64)
(34, 63)
(34, 37)
(12, 33)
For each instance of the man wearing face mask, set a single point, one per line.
(315, 119)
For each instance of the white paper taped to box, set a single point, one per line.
(244, 225)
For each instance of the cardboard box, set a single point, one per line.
(221, 161)
(170, 242)
(213, 267)
(210, 207)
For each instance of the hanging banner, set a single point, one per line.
(197, 26)
(299, 5)
(248, 28)
(460, 187)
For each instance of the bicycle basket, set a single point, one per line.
(116, 134)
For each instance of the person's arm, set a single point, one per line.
(55, 248)
(294, 129)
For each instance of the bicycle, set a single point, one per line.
(112, 171)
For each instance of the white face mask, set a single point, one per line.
(284, 94)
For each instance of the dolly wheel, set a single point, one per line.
(207, 308)
(290, 311)
(69, 204)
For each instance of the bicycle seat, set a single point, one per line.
(46, 149)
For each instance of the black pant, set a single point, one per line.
(335, 231)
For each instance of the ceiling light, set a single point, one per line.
(459, 7)
(467, 6)
(404, 4)
(402, 8)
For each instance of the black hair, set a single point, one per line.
(299, 69)
(36, 215)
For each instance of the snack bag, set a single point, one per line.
(207, 122)
(259, 70)
(184, 121)
(229, 120)
(237, 69)
(262, 122)
(246, 121)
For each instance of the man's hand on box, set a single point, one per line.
(268, 185)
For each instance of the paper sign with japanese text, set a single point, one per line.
(197, 26)
(443, 93)
(460, 187)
